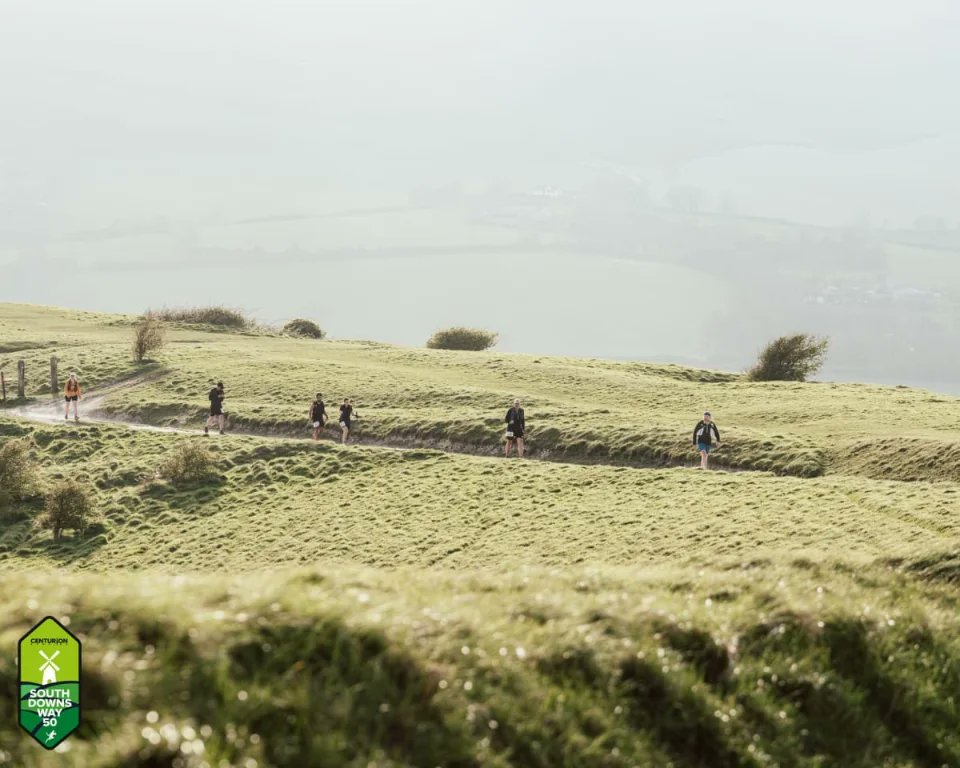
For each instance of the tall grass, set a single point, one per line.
(221, 317)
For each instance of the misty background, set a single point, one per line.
(675, 182)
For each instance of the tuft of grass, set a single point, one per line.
(189, 462)
(217, 316)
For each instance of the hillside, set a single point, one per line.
(583, 410)
(387, 605)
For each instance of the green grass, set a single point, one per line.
(586, 666)
(291, 502)
(582, 410)
(317, 605)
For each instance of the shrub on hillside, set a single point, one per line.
(306, 329)
(218, 316)
(189, 463)
(149, 336)
(472, 339)
(18, 471)
(790, 358)
(68, 506)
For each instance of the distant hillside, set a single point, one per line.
(578, 409)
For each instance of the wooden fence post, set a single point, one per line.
(3, 387)
(21, 380)
(54, 381)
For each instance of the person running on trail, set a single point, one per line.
(318, 415)
(72, 393)
(516, 425)
(347, 415)
(216, 417)
(703, 435)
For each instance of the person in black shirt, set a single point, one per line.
(703, 435)
(347, 415)
(516, 425)
(216, 396)
(318, 415)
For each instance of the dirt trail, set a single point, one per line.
(51, 412)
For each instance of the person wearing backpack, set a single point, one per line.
(216, 396)
(347, 415)
(703, 435)
(72, 394)
(318, 415)
(516, 425)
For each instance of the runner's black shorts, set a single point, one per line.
(72, 398)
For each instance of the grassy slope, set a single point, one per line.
(595, 666)
(332, 606)
(289, 502)
(582, 409)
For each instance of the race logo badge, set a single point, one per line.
(49, 682)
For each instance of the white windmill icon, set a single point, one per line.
(48, 668)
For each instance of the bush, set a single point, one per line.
(68, 505)
(190, 463)
(790, 358)
(306, 329)
(149, 335)
(218, 316)
(18, 471)
(471, 339)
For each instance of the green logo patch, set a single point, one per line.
(49, 682)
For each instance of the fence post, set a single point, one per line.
(3, 387)
(54, 381)
(21, 380)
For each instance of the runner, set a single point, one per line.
(516, 424)
(703, 438)
(72, 394)
(216, 396)
(318, 415)
(346, 417)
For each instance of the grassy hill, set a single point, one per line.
(312, 604)
(581, 410)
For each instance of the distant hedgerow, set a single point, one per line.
(189, 463)
(303, 328)
(473, 339)
(218, 316)
(68, 506)
(790, 358)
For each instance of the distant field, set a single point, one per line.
(318, 605)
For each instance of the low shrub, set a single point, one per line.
(302, 328)
(472, 339)
(790, 358)
(149, 336)
(221, 317)
(189, 463)
(67, 506)
(18, 471)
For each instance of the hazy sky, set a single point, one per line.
(154, 120)
(363, 95)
